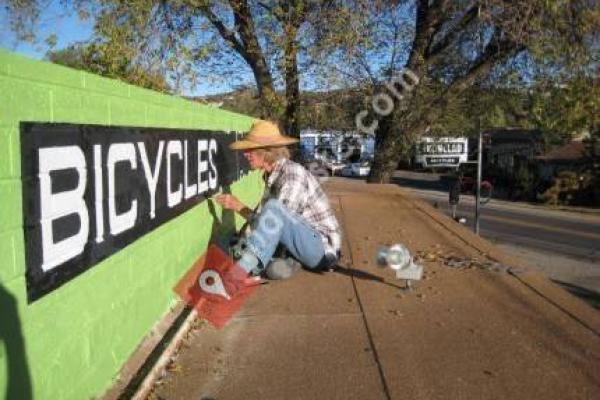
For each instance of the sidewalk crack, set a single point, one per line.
(384, 384)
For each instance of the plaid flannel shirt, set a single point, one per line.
(300, 192)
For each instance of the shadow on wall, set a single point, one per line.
(223, 228)
(19, 381)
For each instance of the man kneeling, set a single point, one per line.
(294, 211)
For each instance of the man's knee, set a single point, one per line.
(271, 219)
(274, 205)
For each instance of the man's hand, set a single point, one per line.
(230, 202)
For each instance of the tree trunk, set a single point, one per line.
(243, 39)
(385, 161)
(292, 85)
(266, 92)
(291, 18)
(394, 141)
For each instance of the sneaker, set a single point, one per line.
(237, 248)
(282, 268)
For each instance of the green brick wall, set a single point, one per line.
(71, 343)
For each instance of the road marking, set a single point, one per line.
(588, 235)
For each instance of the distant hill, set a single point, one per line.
(337, 109)
(319, 110)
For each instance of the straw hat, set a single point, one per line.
(263, 134)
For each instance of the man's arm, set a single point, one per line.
(247, 213)
(230, 202)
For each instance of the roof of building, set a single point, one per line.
(572, 151)
(504, 135)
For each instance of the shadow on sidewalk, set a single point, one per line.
(355, 273)
(18, 377)
(587, 295)
(417, 182)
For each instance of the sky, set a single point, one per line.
(69, 29)
(54, 19)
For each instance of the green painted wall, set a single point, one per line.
(71, 343)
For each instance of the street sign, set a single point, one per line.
(441, 161)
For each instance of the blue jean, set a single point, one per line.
(276, 224)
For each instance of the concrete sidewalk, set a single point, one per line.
(466, 333)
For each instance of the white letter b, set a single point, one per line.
(57, 205)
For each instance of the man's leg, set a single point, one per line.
(276, 224)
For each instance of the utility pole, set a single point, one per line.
(479, 144)
(479, 167)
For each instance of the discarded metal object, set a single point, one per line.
(398, 258)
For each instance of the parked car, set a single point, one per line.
(362, 168)
(334, 166)
(359, 169)
(469, 178)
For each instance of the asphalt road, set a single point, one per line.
(572, 234)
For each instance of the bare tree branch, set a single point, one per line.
(225, 33)
(497, 50)
(457, 27)
(429, 21)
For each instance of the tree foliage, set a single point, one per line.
(92, 58)
(572, 107)
(491, 61)
(454, 46)
(209, 40)
(328, 110)
(190, 40)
